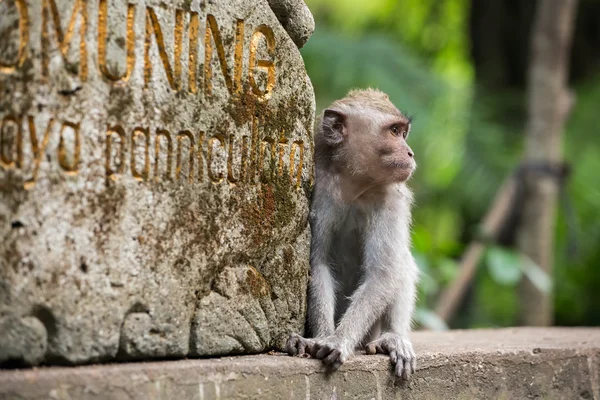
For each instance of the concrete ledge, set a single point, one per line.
(520, 363)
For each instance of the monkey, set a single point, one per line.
(363, 282)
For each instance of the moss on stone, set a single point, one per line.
(256, 284)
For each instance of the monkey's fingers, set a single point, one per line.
(309, 348)
(406, 368)
(413, 365)
(410, 360)
(394, 357)
(313, 350)
(334, 360)
(322, 352)
(370, 349)
(302, 345)
(399, 367)
(374, 348)
(291, 344)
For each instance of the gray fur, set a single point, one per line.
(363, 284)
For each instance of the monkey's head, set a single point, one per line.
(364, 135)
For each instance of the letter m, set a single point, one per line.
(63, 39)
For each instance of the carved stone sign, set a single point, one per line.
(155, 164)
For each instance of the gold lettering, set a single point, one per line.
(122, 150)
(243, 162)
(134, 171)
(267, 65)
(298, 144)
(152, 25)
(201, 136)
(130, 42)
(237, 56)
(272, 154)
(38, 150)
(212, 29)
(228, 156)
(180, 136)
(193, 50)
(178, 46)
(7, 155)
(215, 178)
(163, 133)
(283, 144)
(8, 67)
(245, 150)
(254, 144)
(70, 167)
(49, 6)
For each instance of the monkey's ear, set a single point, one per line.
(334, 126)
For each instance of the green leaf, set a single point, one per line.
(447, 269)
(421, 261)
(426, 282)
(536, 275)
(421, 240)
(504, 266)
(430, 320)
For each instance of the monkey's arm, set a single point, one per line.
(321, 302)
(398, 318)
(321, 309)
(396, 326)
(321, 293)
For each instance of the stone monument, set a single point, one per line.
(155, 168)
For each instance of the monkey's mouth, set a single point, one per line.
(401, 170)
(404, 165)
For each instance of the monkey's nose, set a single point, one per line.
(411, 154)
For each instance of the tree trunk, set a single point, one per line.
(549, 104)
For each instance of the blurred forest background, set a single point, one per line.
(460, 68)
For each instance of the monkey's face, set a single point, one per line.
(377, 146)
(364, 134)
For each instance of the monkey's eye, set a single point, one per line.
(399, 131)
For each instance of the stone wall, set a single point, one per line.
(553, 364)
(155, 166)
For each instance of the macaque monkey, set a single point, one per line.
(363, 276)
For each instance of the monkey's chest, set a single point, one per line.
(346, 258)
(346, 254)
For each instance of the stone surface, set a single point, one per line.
(483, 364)
(23, 340)
(154, 179)
(296, 18)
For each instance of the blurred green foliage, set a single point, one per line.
(417, 51)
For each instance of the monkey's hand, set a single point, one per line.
(332, 350)
(400, 351)
(299, 346)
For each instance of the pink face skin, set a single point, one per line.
(362, 140)
(378, 147)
